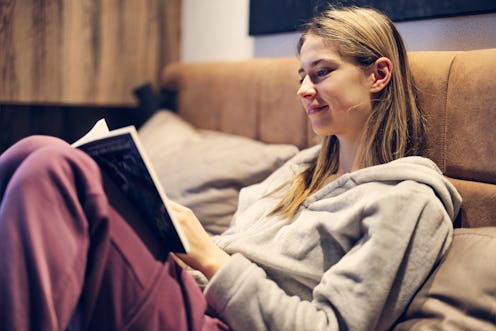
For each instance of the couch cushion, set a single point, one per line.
(461, 293)
(255, 98)
(431, 74)
(471, 114)
(479, 200)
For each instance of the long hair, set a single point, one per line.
(395, 127)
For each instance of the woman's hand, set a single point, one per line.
(204, 255)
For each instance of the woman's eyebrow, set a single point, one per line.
(316, 63)
(312, 64)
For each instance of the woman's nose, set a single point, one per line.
(307, 89)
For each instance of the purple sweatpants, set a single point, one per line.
(73, 254)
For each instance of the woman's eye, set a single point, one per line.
(316, 75)
(323, 72)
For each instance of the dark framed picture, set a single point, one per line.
(277, 16)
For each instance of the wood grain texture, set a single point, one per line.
(89, 52)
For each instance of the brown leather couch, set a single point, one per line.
(457, 92)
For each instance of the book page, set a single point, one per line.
(99, 130)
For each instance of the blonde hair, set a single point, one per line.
(395, 127)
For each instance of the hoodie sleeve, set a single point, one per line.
(404, 234)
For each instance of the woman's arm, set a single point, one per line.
(404, 235)
(204, 255)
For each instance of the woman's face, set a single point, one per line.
(334, 91)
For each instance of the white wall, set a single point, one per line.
(215, 30)
(218, 30)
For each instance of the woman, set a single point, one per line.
(340, 238)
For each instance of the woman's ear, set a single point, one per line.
(382, 70)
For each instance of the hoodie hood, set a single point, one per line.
(414, 168)
(418, 169)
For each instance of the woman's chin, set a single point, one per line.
(321, 130)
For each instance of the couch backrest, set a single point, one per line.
(457, 92)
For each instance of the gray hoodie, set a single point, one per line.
(351, 258)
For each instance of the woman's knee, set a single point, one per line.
(35, 142)
(50, 161)
(24, 147)
(12, 159)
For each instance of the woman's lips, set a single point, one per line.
(316, 109)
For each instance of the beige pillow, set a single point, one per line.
(204, 170)
(461, 292)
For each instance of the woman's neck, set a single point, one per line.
(349, 157)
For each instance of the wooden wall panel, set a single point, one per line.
(84, 52)
(66, 122)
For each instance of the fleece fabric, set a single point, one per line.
(350, 259)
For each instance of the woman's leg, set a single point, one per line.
(69, 258)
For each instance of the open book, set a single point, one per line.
(121, 157)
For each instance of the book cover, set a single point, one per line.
(121, 157)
